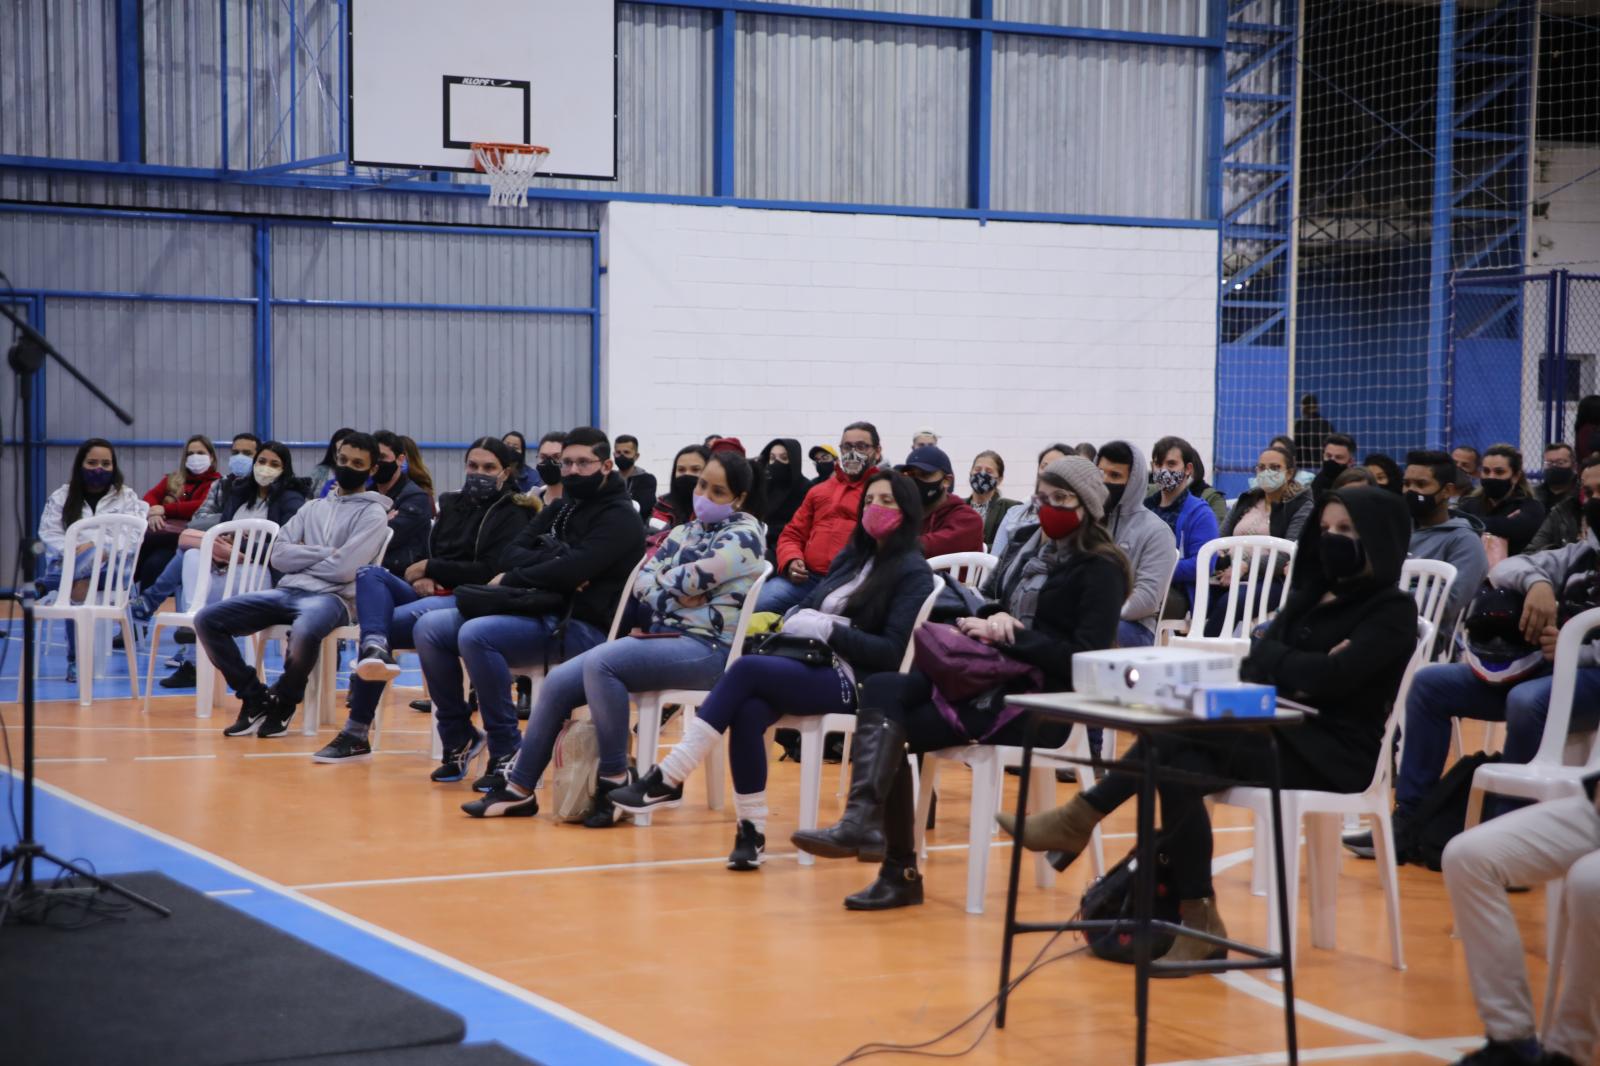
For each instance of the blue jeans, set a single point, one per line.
(602, 677)
(1134, 635)
(168, 583)
(757, 691)
(49, 578)
(1452, 690)
(311, 616)
(779, 594)
(386, 607)
(491, 647)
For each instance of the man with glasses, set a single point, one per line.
(822, 526)
(581, 549)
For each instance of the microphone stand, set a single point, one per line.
(26, 358)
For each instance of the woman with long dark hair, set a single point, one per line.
(522, 475)
(690, 595)
(94, 487)
(1058, 593)
(677, 506)
(322, 481)
(1502, 501)
(864, 611)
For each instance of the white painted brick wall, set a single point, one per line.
(762, 324)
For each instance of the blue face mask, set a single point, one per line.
(241, 465)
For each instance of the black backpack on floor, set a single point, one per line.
(1440, 816)
(1111, 897)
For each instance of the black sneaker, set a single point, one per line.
(1360, 844)
(72, 673)
(749, 848)
(345, 748)
(1498, 1053)
(501, 802)
(524, 687)
(182, 677)
(253, 710)
(604, 815)
(183, 636)
(276, 723)
(646, 794)
(494, 775)
(425, 706)
(376, 663)
(453, 767)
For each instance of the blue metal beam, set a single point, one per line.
(724, 132)
(130, 81)
(982, 107)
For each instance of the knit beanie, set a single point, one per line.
(1082, 477)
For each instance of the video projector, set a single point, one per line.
(1167, 678)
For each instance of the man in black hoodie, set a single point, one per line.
(786, 487)
(582, 547)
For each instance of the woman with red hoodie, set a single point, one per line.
(173, 501)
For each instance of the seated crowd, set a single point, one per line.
(526, 566)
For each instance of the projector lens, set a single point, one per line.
(1130, 676)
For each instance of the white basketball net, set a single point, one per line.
(509, 172)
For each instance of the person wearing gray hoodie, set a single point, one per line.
(1144, 538)
(317, 552)
(1439, 534)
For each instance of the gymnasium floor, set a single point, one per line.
(636, 944)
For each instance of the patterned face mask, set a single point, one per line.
(1169, 480)
(983, 482)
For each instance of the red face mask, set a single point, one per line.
(1059, 522)
(881, 521)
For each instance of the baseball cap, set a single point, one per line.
(929, 459)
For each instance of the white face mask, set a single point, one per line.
(1271, 480)
(266, 475)
(198, 463)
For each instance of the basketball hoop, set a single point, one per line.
(510, 167)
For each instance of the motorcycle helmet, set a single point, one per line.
(1493, 642)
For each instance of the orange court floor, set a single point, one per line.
(644, 932)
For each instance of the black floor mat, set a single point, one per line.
(209, 986)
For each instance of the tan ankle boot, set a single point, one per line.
(1201, 914)
(1066, 828)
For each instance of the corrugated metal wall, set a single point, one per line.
(1082, 127)
(1189, 17)
(56, 60)
(852, 113)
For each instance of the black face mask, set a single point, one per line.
(1591, 514)
(479, 487)
(824, 470)
(1114, 496)
(931, 494)
(1421, 505)
(1495, 488)
(582, 486)
(1342, 557)
(350, 479)
(683, 488)
(1558, 478)
(779, 473)
(384, 472)
(549, 472)
(625, 463)
(1332, 469)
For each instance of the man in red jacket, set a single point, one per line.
(949, 524)
(822, 526)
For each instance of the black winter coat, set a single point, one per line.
(1080, 605)
(469, 540)
(876, 639)
(1354, 689)
(595, 543)
(783, 500)
(1516, 518)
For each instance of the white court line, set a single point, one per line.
(533, 999)
(1259, 989)
(43, 759)
(1330, 1054)
(169, 758)
(279, 754)
(231, 892)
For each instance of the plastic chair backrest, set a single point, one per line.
(1429, 581)
(1552, 746)
(115, 540)
(1253, 560)
(747, 612)
(922, 616)
(383, 549)
(977, 566)
(246, 570)
(1383, 772)
(627, 594)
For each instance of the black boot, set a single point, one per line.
(896, 886)
(880, 752)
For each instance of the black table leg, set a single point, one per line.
(1016, 870)
(1144, 895)
(1284, 918)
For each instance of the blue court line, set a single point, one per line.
(494, 1009)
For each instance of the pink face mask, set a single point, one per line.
(881, 521)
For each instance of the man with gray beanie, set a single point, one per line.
(1143, 537)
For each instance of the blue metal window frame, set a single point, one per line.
(262, 301)
(981, 27)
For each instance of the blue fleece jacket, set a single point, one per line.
(1193, 523)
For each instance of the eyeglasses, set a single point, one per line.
(1064, 499)
(579, 464)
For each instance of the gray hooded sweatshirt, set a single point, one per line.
(328, 540)
(1456, 542)
(1148, 543)
(1557, 566)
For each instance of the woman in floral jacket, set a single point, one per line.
(691, 592)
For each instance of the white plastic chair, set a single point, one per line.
(1323, 813)
(112, 559)
(972, 569)
(322, 685)
(650, 704)
(1555, 772)
(1253, 566)
(988, 763)
(245, 572)
(1429, 581)
(814, 727)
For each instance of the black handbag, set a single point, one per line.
(800, 649)
(1111, 897)
(476, 601)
